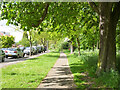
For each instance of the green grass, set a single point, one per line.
(30, 73)
(84, 69)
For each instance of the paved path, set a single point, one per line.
(59, 76)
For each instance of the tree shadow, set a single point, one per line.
(53, 56)
(62, 77)
(34, 58)
(84, 71)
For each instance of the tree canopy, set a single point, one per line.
(74, 20)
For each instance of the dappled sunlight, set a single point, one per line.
(84, 70)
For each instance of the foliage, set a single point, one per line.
(118, 61)
(0, 43)
(24, 42)
(69, 19)
(28, 14)
(108, 80)
(28, 74)
(65, 45)
(7, 41)
(84, 69)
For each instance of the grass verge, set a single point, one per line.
(30, 73)
(84, 68)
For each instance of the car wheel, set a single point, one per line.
(3, 59)
(18, 56)
(15, 57)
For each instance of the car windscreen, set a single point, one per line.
(4, 49)
(21, 47)
(27, 48)
(12, 49)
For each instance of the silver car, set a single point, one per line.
(27, 51)
(14, 52)
(2, 56)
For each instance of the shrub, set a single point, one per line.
(65, 45)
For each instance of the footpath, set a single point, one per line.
(59, 76)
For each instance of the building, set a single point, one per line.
(3, 33)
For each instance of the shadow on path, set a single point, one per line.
(59, 76)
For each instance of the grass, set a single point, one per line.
(84, 68)
(30, 73)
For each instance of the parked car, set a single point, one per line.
(45, 48)
(22, 49)
(2, 56)
(27, 51)
(40, 49)
(4, 49)
(35, 49)
(14, 52)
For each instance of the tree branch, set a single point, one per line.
(43, 16)
(94, 6)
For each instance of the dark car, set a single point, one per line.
(45, 48)
(40, 49)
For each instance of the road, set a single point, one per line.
(10, 61)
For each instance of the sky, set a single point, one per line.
(11, 28)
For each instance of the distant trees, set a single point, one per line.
(7, 41)
(24, 40)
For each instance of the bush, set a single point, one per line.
(108, 79)
(65, 45)
(87, 63)
(118, 62)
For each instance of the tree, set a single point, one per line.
(64, 16)
(109, 15)
(7, 41)
(24, 40)
(27, 14)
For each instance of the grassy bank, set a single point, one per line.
(30, 73)
(84, 69)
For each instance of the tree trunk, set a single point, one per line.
(78, 46)
(71, 48)
(107, 52)
(30, 46)
(109, 14)
(93, 45)
(98, 44)
(47, 45)
(44, 42)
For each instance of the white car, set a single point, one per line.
(27, 50)
(14, 52)
(2, 56)
(35, 49)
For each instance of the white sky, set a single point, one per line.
(11, 28)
